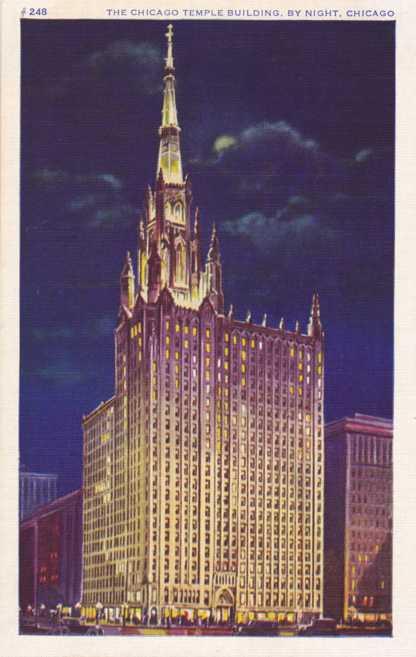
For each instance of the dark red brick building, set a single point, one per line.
(51, 553)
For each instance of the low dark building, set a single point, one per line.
(51, 554)
(358, 519)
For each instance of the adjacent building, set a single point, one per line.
(35, 490)
(50, 554)
(204, 474)
(358, 518)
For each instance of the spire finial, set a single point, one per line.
(264, 320)
(248, 316)
(169, 57)
(314, 325)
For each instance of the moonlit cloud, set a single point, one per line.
(223, 142)
(364, 154)
(267, 132)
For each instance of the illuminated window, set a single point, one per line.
(253, 344)
(207, 347)
(194, 330)
(292, 351)
(234, 339)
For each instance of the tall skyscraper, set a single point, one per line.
(358, 518)
(203, 475)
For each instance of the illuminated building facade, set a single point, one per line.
(358, 518)
(203, 476)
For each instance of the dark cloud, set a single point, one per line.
(139, 62)
(92, 201)
(121, 64)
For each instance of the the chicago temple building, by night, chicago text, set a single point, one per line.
(203, 474)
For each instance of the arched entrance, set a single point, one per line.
(224, 606)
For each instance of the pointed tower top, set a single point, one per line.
(169, 149)
(128, 266)
(314, 324)
(169, 58)
(214, 246)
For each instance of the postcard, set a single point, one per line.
(207, 334)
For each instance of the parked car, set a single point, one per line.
(320, 627)
(258, 628)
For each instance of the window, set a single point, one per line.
(180, 264)
(178, 211)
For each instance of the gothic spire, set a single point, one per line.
(127, 287)
(314, 324)
(169, 161)
(214, 247)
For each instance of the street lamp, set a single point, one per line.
(124, 611)
(99, 608)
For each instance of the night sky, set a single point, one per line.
(288, 136)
